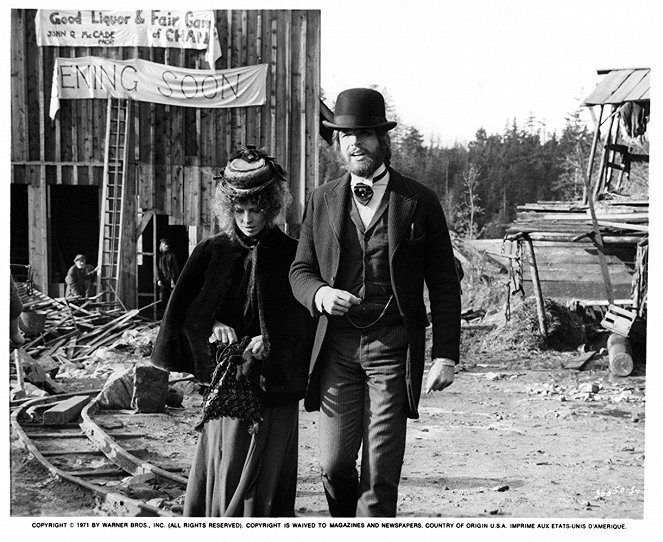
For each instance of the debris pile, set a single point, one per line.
(80, 338)
(520, 333)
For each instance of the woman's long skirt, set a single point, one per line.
(235, 473)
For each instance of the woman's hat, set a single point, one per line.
(249, 171)
(360, 109)
(80, 257)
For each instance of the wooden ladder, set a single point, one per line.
(112, 213)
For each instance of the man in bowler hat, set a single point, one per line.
(368, 242)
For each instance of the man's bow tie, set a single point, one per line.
(363, 192)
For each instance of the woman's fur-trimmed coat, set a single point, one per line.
(206, 283)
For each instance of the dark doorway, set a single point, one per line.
(149, 250)
(178, 237)
(19, 240)
(74, 227)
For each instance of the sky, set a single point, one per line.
(452, 67)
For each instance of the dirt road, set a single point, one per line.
(513, 438)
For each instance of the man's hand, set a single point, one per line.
(223, 334)
(337, 302)
(439, 376)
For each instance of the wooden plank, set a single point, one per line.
(145, 173)
(252, 53)
(282, 106)
(624, 226)
(177, 193)
(206, 194)
(65, 411)
(38, 228)
(642, 89)
(238, 58)
(19, 100)
(605, 89)
(632, 82)
(191, 202)
(297, 120)
(270, 136)
(34, 66)
(311, 175)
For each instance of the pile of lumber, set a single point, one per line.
(619, 218)
(74, 328)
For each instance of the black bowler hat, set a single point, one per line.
(359, 109)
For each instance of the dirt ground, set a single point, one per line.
(513, 436)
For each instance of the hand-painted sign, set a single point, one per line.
(141, 80)
(139, 28)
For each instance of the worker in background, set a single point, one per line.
(168, 272)
(77, 277)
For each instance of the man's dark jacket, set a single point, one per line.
(206, 283)
(419, 250)
(168, 269)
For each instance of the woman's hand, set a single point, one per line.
(255, 349)
(222, 333)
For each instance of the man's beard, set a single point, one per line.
(364, 168)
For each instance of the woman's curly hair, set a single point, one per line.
(271, 200)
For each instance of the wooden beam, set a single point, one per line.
(147, 216)
(65, 411)
(538, 294)
(597, 239)
(592, 154)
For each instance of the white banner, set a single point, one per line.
(144, 81)
(139, 28)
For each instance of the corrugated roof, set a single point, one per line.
(620, 86)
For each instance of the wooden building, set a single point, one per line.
(57, 166)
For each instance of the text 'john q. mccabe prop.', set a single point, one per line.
(139, 28)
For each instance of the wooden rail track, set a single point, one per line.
(85, 454)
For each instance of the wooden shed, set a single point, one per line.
(596, 250)
(59, 166)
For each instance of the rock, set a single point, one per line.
(138, 479)
(187, 388)
(501, 488)
(494, 376)
(174, 397)
(588, 387)
(150, 388)
(117, 392)
(623, 396)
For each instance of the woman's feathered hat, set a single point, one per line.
(249, 171)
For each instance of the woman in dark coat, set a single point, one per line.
(234, 290)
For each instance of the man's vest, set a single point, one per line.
(364, 270)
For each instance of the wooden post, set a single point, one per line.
(592, 154)
(538, 294)
(38, 220)
(603, 172)
(597, 239)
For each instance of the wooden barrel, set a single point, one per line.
(620, 355)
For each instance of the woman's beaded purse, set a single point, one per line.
(234, 387)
